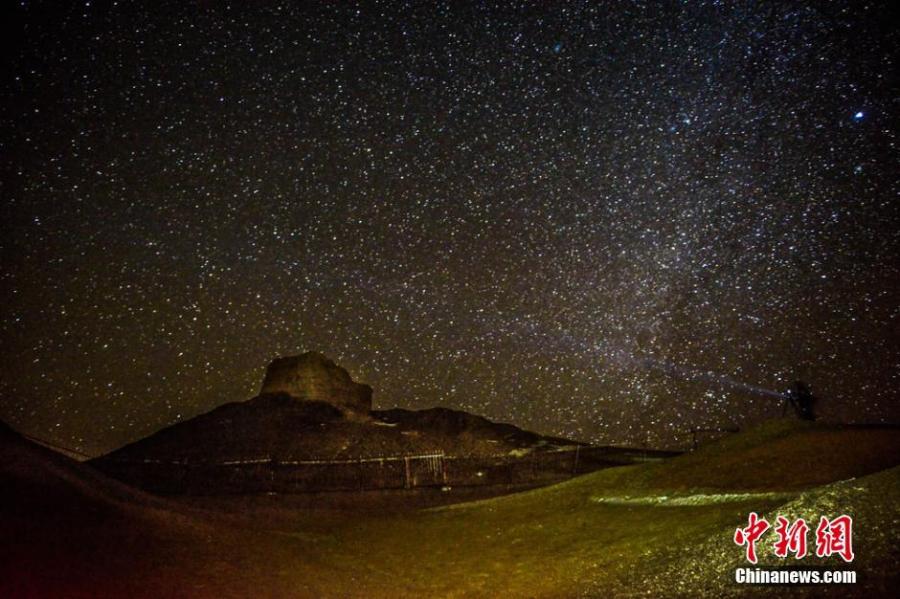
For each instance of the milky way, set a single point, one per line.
(590, 220)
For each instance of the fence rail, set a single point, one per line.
(270, 474)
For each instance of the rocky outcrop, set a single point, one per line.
(312, 428)
(313, 377)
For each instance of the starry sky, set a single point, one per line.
(614, 221)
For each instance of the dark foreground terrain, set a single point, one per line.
(656, 530)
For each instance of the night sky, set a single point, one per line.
(583, 219)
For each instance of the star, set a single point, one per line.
(555, 217)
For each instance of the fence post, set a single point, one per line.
(575, 462)
(408, 476)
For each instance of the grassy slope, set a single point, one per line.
(560, 541)
(872, 500)
(586, 537)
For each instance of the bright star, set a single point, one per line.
(858, 116)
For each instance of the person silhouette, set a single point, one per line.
(801, 399)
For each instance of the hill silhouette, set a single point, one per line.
(310, 415)
(281, 426)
